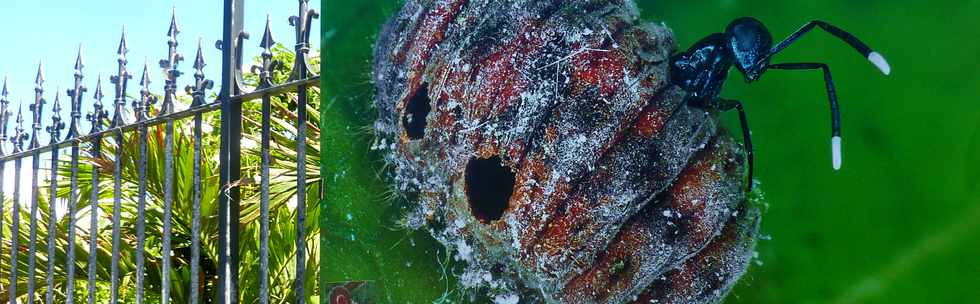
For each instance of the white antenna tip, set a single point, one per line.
(835, 146)
(880, 62)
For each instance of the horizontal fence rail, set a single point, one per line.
(138, 121)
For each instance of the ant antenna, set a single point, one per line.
(874, 57)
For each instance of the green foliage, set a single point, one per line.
(282, 264)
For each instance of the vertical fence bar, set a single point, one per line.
(265, 81)
(36, 108)
(302, 21)
(141, 108)
(18, 143)
(120, 80)
(170, 89)
(73, 199)
(96, 117)
(229, 158)
(198, 92)
(55, 130)
(4, 119)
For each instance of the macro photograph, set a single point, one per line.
(632, 151)
(489, 152)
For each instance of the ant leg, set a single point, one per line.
(727, 105)
(835, 140)
(855, 43)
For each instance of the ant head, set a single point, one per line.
(750, 42)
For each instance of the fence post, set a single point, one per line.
(74, 131)
(301, 71)
(198, 91)
(55, 130)
(120, 80)
(265, 81)
(36, 109)
(4, 120)
(17, 141)
(170, 93)
(97, 117)
(229, 159)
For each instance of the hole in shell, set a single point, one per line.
(416, 111)
(340, 295)
(489, 185)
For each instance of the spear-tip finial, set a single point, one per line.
(199, 60)
(98, 89)
(145, 79)
(20, 116)
(97, 113)
(39, 79)
(141, 107)
(79, 63)
(56, 107)
(19, 129)
(56, 124)
(174, 26)
(19, 136)
(267, 40)
(5, 92)
(123, 46)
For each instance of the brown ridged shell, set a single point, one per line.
(620, 187)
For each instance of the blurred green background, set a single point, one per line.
(899, 223)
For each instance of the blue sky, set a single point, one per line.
(51, 31)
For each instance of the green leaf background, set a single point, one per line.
(899, 223)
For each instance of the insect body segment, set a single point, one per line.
(747, 44)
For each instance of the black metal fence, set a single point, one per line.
(103, 129)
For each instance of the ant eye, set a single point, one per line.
(416, 111)
(489, 185)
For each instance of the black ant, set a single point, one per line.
(747, 44)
